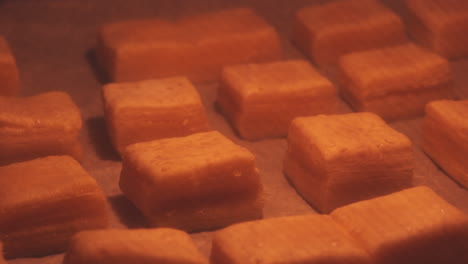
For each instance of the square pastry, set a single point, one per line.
(139, 246)
(9, 79)
(39, 126)
(311, 239)
(198, 182)
(196, 46)
(44, 202)
(261, 100)
(340, 159)
(152, 109)
(445, 137)
(441, 25)
(327, 31)
(394, 82)
(414, 226)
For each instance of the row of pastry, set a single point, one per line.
(260, 100)
(50, 124)
(199, 46)
(406, 227)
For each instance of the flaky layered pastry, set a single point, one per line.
(340, 159)
(198, 182)
(196, 46)
(261, 100)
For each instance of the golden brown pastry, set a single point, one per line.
(196, 47)
(39, 126)
(152, 109)
(139, 246)
(445, 137)
(414, 226)
(44, 202)
(340, 159)
(261, 100)
(312, 239)
(441, 25)
(327, 31)
(394, 82)
(198, 182)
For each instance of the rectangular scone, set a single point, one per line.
(394, 82)
(196, 47)
(198, 182)
(441, 25)
(333, 160)
(329, 30)
(9, 77)
(311, 239)
(139, 246)
(414, 226)
(39, 126)
(44, 202)
(445, 137)
(261, 100)
(152, 109)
